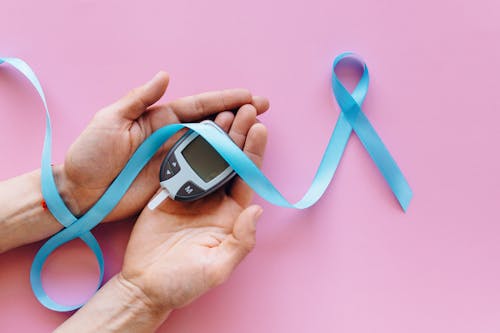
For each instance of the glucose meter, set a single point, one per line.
(192, 169)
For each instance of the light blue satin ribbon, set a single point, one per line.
(350, 118)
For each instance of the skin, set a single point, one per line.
(121, 127)
(178, 251)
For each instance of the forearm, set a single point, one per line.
(118, 306)
(23, 217)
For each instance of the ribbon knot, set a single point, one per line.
(351, 118)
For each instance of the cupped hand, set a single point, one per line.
(181, 250)
(104, 147)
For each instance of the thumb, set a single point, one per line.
(245, 227)
(237, 245)
(135, 103)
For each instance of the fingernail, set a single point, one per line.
(258, 212)
(154, 79)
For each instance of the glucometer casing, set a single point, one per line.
(193, 169)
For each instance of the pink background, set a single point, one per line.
(353, 263)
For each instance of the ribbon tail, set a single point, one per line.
(382, 158)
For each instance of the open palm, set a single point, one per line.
(182, 249)
(104, 147)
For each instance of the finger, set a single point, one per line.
(161, 115)
(238, 244)
(224, 120)
(245, 118)
(255, 146)
(260, 103)
(197, 107)
(136, 102)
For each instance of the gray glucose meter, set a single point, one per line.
(192, 169)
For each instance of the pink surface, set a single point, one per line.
(354, 262)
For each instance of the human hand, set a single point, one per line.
(104, 147)
(182, 249)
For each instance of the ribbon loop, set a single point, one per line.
(350, 105)
(351, 118)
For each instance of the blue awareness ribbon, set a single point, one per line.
(351, 118)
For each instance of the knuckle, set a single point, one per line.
(199, 108)
(250, 109)
(238, 138)
(135, 96)
(222, 97)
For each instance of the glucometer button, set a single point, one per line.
(169, 168)
(189, 189)
(173, 164)
(167, 172)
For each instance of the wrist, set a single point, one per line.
(68, 191)
(133, 294)
(117, 307)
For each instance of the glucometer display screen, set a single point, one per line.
(204, 159)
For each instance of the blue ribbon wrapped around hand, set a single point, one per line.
(351, 118)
